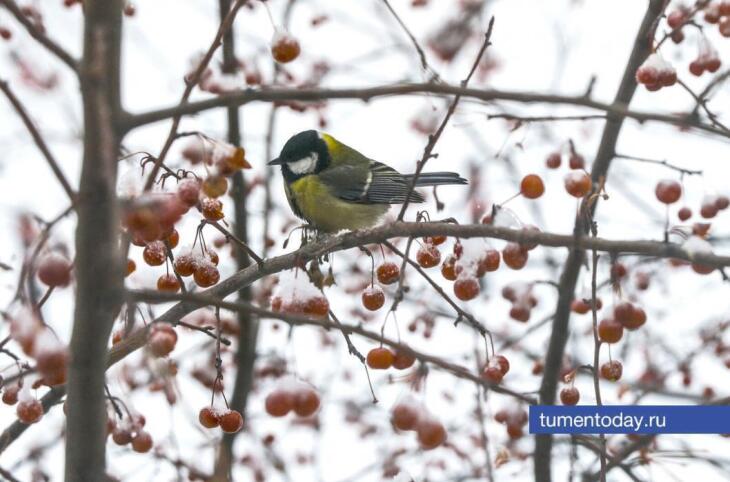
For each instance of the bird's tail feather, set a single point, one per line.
(437, 178)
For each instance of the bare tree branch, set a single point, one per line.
(99, 269)
(616, 110)
(569, 277)
(38, 139)
(39, 35)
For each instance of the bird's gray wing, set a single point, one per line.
(380, 185)
(388, 186)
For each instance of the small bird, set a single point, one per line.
(333, 187)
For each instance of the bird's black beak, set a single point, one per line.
(276, 162)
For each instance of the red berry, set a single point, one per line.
(380, 358)
(54, 270)
(155, 253)
(306, 402)
(580, 306)
(231, 421)
(722, 202)
(677, 18)
(514, 256)
(610, 331)
(184, 264)
(569, 396)
(466, 288)
(708, 210)
(428, 256)
(388, 273)
(668, 191)
(29, 411)
(503, 363)
(373, 298)
(162, 339)
(532, 186)
(284, 47)
(212, 209)
(493, 374)
(576, 161)
(317, 307)
(206, 274)
(168, 283)
(279, 403)
(142, 442)
(448, 270)
(403, 360)
(578, 184)
(647, 75)
(10, 394)
(612, 370)
(121, 436)
(696, 68)
(684, 213)
(404, 416)
(131, 267)
(188, 191)
(553, 161)
(520, 312)
(431, 434)
(208, 417)
(5, 33)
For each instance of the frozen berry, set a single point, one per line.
(668, 191)
(431, 434)
(388, 273)
(231, 421)
(29, 411)
(404, 416)
(208, 417)
(578, 184)
(284, 46)
(610, 331)
(54, 270)
(373, 298)
(279, 402)
(428, 256)
(569, 396)
(612, 370)
(142, 442)
(306, 402)
(169, 283)
(466, 288)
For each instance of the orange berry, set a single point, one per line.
(448, 268)
(578, 184)
(206, 274)
(214, 186)
(306, 402)
(212, 209)
(514, 256)
(428, 256)
(388, 273)
(121, 436)
(612, 370)
(29, 411)
(278, 403)
(532, 186)
(142, 442)
(155, 253)
(184, 264)
(208, 417)
(404, 416)
(284, 47)
(231, 421)
(431, 434)
(168, 283)
(466, 288)
(373, 298)
(131, 267)
(610, 331)
(380, 358)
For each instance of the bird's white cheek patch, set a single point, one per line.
(304, 165)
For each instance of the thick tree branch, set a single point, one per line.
(616, 110)
(99, 269)
(39, 35)
(569, 277)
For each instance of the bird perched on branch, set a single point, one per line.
(334, 187)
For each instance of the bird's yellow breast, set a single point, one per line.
(326, 212)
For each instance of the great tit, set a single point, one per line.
(333, 187)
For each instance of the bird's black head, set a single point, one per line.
(303, 154)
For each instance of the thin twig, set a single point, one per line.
(433, 138)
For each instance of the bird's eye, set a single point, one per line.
(305, 165)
